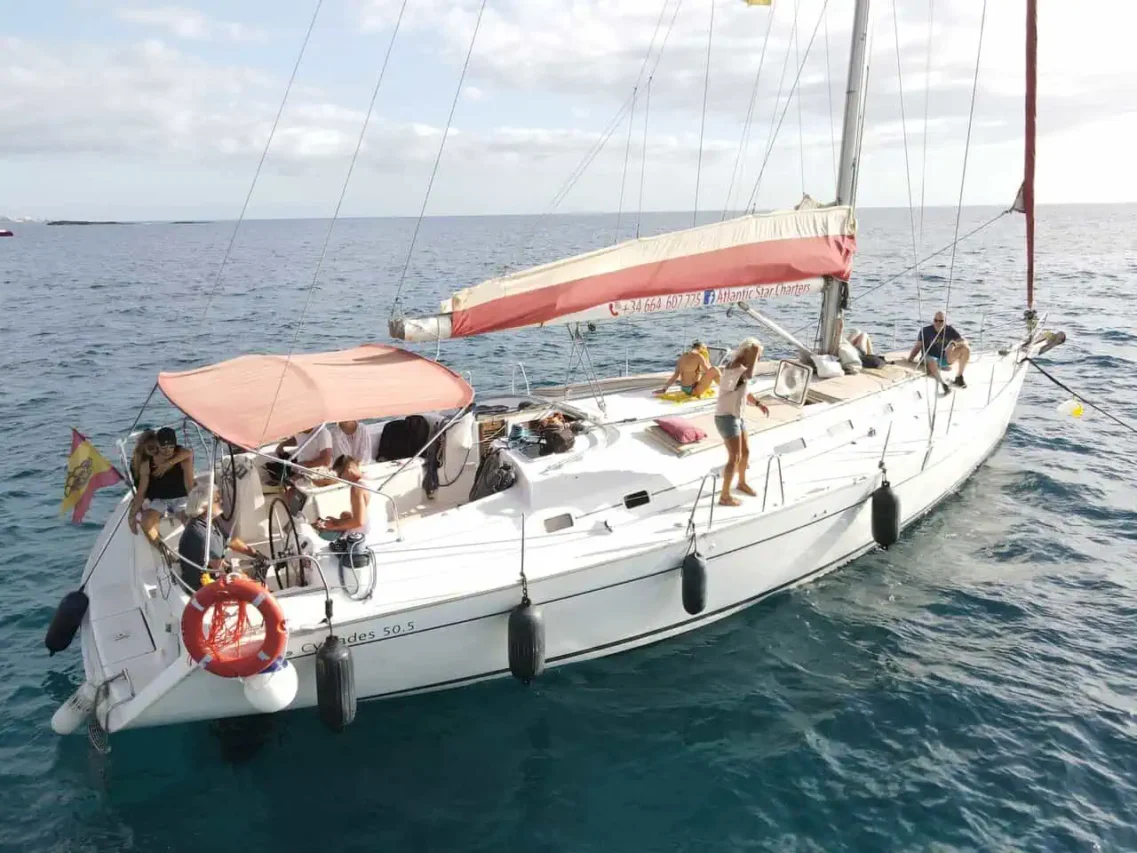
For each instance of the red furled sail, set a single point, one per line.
(751, 257)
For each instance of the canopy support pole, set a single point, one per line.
(835, 295)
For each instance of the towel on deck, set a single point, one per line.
(684, 397)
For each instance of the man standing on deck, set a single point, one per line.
(942, 346)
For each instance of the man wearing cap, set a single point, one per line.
(942, 346)
(693, 371)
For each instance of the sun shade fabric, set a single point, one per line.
(234, 399)
(763, 249)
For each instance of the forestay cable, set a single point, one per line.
(396, 307)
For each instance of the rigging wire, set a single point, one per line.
(597, 146)
(926, 258)
(829, 93)
(907, 168)
(800, 125)
(797, 79)
(1081, 397)
(260, 164)
(744, 140)
(703, 122)
(336, 213)
(770, 134)
(624, 174)
(966, 151)
(927, 101)
(643, 157)
(396, 306)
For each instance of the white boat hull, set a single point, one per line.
(631, 599)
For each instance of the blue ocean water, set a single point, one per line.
(975, 688)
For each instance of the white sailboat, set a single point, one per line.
(612, 541)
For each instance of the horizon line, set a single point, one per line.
(210, 220)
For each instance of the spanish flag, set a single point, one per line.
(87, 471)
(759, 2)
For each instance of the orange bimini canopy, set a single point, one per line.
(235, 399)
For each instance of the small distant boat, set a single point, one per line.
(4, 232)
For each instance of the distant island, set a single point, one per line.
(85, 222)
(116, 222)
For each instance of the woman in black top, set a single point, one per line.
(163, 484)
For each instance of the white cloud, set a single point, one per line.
(189, 23)
(557, 72)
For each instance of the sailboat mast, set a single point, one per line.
(1028, 160)
(831, 304)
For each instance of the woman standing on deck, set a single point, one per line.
(729, 420)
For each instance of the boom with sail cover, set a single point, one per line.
(746, 258)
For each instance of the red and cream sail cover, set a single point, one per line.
(743, 259)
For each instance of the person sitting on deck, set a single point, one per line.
(942, 346)
(729, 418)
(694, 372)
(164, 481)
(351, 438)
(313, 453)
(191, 548)
(356, 520)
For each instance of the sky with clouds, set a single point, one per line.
(130, 109)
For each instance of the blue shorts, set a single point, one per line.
(166, 506)
(729, 426)
(687, 389)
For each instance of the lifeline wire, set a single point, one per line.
(256, 174)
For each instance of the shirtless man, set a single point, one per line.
(693, 371)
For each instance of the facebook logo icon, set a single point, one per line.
(708, 297)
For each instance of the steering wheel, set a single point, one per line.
(227, 483)
(284, 544)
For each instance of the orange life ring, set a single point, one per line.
(234, 588)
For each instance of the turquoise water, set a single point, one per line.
(974, 688)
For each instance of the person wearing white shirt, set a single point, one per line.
(351, 438)
(729, 419)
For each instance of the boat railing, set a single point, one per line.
(513, 379)
(714, 478)
(774, 457)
